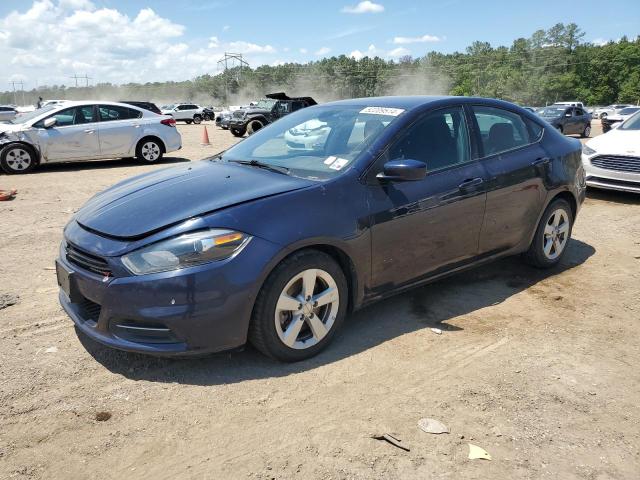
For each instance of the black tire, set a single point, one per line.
(188, 122)
(17, 159)
(254, 126)
(586, 132)
(560, 129)
(197, 119)
(536, 255)
(207, 117)
(603, 115)
(238, 133)
(149, 150)
(263, 333)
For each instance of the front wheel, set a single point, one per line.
(300, 307)
(17, 159)
(552, 235)
(603, 115)
(149, 151)
(238, 132)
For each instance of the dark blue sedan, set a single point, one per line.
(277, 239)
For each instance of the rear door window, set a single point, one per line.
(110, 113)
(500, 130)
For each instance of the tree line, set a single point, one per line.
(551, 65)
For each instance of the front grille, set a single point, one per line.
(618, 163)
(238, 114)
(85, 260)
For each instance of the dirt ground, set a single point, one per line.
(538, 368)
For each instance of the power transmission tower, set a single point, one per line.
(78, 77)
(15, 99)
(236, 60)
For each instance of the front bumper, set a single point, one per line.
(195, 310)
(237, 124)
(610, 179)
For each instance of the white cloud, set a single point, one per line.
(422, 39)
(364, 7)
(248, 47)
(398, 52)
(323, 51)
(226, 28)
(54, 39)
(600, 41)
(372, 51)
(303, 51)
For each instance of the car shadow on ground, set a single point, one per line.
(433, 305)
(103, 164)
(615, 196)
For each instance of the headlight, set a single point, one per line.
(587, 151)
(185, 251)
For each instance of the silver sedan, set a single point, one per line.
(88, 130)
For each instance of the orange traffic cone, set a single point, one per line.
(205, 138)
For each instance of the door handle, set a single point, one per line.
(89, 131)
(540, 162)
(471, 182)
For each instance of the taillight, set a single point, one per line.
(169, 122)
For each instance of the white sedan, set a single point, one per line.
(87, 130)
(612, 161)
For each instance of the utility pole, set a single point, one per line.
(236, 59)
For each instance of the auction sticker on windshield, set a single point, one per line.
(338, 164)
(392, 112)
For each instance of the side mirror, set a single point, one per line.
(403, 171)
(50, 122)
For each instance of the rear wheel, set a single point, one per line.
(149, 150)
(586, 132)
(552, 235)
(17, 159)
(188, 122)
(197, 119)
(300, 307)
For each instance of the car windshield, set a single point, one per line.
(168, 107)
(25, 117)
(315, 143)
(552, 111)
(265, 103)
(632, 123)
(629, 111)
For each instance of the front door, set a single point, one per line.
(424, 226)
(73, 137)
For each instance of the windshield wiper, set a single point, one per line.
(266, 166)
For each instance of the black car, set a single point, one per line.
(568, 120)
(276, 246)
(267, 110)
(152, 107)
(208, 114)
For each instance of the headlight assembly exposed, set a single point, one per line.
(587, 151)
(186, 250)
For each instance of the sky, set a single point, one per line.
(46, 42)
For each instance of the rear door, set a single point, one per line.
(423, 226)
(515, 163)
(119, 130)
(74, 136)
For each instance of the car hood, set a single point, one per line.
(617, 142)
(151, 202)
(11, 127)
(255, 111)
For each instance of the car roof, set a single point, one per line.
(411, 102)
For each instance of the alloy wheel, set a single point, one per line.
(18, 159)
(306, 309)
(556, 234)
(150, 151)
